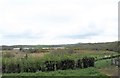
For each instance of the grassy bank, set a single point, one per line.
(57, 56)
(77, 72)
(92, 71)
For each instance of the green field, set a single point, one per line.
(92, 71)
(10, 59)
(77, 72)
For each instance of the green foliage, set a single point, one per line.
(33, 64)
(80, 72)
(58, 55)
(13, 65)
(36, 64)
(108, 46)
(103, 63)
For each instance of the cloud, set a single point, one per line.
(23, 35)
(56, 22)
(82, 36)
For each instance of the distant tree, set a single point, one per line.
(20, 49)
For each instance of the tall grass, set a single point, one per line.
(33, 64)
(12, 65)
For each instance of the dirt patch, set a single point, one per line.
(110, 71)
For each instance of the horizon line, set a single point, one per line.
(59, 44)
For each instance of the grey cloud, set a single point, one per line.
(23, 35)
(82, 36)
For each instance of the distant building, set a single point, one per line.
(25, 48)
(45, 48)
(56, 48)
(28, 49)
(16, 49)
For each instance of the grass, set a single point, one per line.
(15, 54)
(92, 71)
(63, 54)
(79, 72)
(105, 67)
(103, 63)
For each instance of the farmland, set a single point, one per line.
(33, 64)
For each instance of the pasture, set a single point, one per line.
(29, 64)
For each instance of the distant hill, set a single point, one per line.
(111, 46)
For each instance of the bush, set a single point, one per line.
(21, 65)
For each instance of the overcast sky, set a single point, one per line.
(58, 21)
